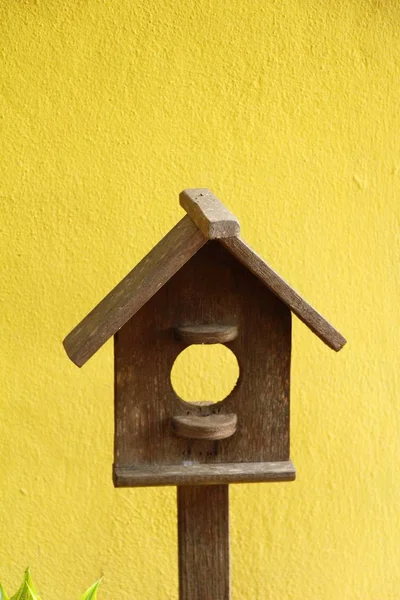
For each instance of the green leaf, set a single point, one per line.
(91, 593)
(32, 594)
(3, 595)
(27, 591)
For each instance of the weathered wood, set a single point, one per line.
(146, 348)
(306, 313)
(206, 334)
(213, 427)
(209, 214)
(203, 542)
(202, 474)
(165, 259)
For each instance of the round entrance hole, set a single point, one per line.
(204, 373)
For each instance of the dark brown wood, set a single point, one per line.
(191, 290)
(206, 334)
(203, 474)
(203, 542)
(165, 259)
(209, 214)
(206, 214)
(213, 427)
(306, 313)
(145, 351)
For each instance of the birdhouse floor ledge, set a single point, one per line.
(203, 474)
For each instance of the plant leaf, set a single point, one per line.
(91, 593)
(27, 591)
(3, 595)
(32, 594)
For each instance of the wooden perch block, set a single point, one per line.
(209, 214)
(212, 427)
(206, 334)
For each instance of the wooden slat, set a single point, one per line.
(304, 311)
(204, 474)
(163, 261)
(206, 334)
(203, 542)
(212, 427)
(209, 214)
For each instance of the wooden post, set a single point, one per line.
(203, 542)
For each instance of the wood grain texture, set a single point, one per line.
(206, 334)
(203, 542)
(203, 474)
(209, 214)
(165, 259)
(212, 287)
(306, 313)
(213, 427)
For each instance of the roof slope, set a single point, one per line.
(287, 294)
(153, 271)
(207, 219)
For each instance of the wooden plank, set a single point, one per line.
(209, 214)
(212, 427)
(204, 474)
(206, 334)
(153, 271)
(304, 311)
(203, 542)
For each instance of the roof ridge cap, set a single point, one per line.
(208, 213)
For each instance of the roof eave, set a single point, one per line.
(304, 311)
(153, 271)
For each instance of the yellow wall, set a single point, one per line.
(289, 112)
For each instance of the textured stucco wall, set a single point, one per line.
(289, 112)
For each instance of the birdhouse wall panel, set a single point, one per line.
(213, 288)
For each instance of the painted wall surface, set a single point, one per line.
(290, 113)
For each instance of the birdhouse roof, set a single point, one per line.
(207, 218)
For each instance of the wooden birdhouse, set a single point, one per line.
(201, 284)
